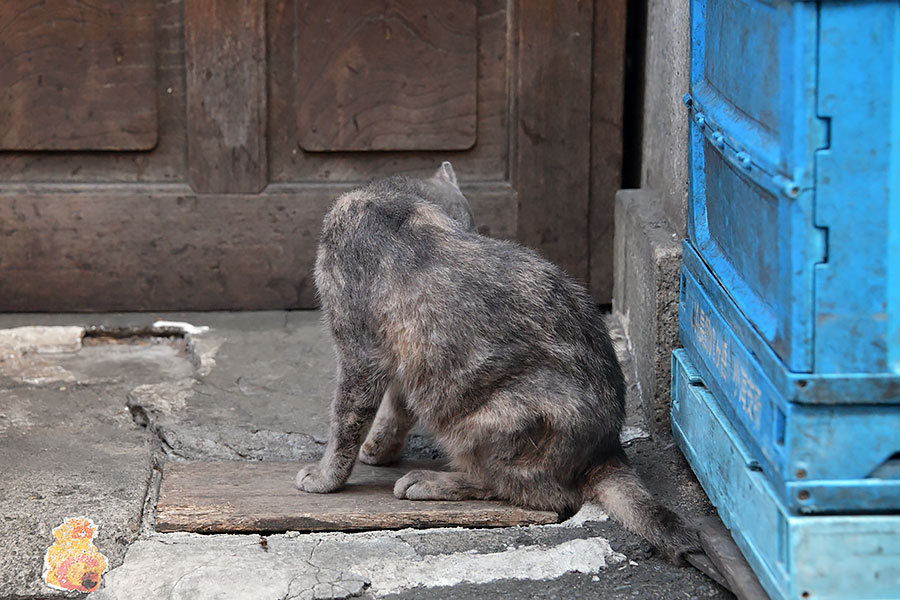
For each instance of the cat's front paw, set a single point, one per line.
(313, 479)
(414, 485)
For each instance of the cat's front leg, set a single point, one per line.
(355, 403)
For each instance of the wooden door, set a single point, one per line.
(169, 154)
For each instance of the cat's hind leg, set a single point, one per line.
(388, 432)
(440, 485)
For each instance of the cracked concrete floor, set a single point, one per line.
(89, 413)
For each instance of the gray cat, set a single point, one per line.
(501, 356)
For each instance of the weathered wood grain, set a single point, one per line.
(386, 75)
(729, 562)
(607, 113)
(702, 563)
(123, 250)
(495, 209)
(77, 75)
(165, 162)
(102, 248)
(553, 142)
(486, 161)
(122, 231)
(225, 55)
(214, 497)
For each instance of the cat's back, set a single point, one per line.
(386, 242)
(389, 238)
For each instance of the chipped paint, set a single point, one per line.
(340, 565)
(73, 562)
(32, 369)
(14, 413)
(23, 353)
(165, 397)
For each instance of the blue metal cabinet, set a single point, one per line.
(825, 557)
(818, 457)
(786, 396)
(795, 175)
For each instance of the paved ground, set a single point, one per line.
(88, 417)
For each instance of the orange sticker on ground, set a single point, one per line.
(73, 562)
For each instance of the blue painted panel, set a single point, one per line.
(824, 557)
(819, 457)
(726, 225)
(732, 30)
(754, 133)
(753, 76)
(805, 388)
(795, 174)
(857, 290)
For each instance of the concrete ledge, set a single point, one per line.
(647, 257)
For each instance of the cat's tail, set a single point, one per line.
(616, 487)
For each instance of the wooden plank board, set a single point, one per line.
(234, 496)
(702, 563)
(728, 561)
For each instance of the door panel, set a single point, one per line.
(166, 162)
(83, 80)
(117, 249)
(256, 133)
(487, 160)
(607, 118)
(398, 75)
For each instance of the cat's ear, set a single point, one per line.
(445, 172)
(441, 189)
